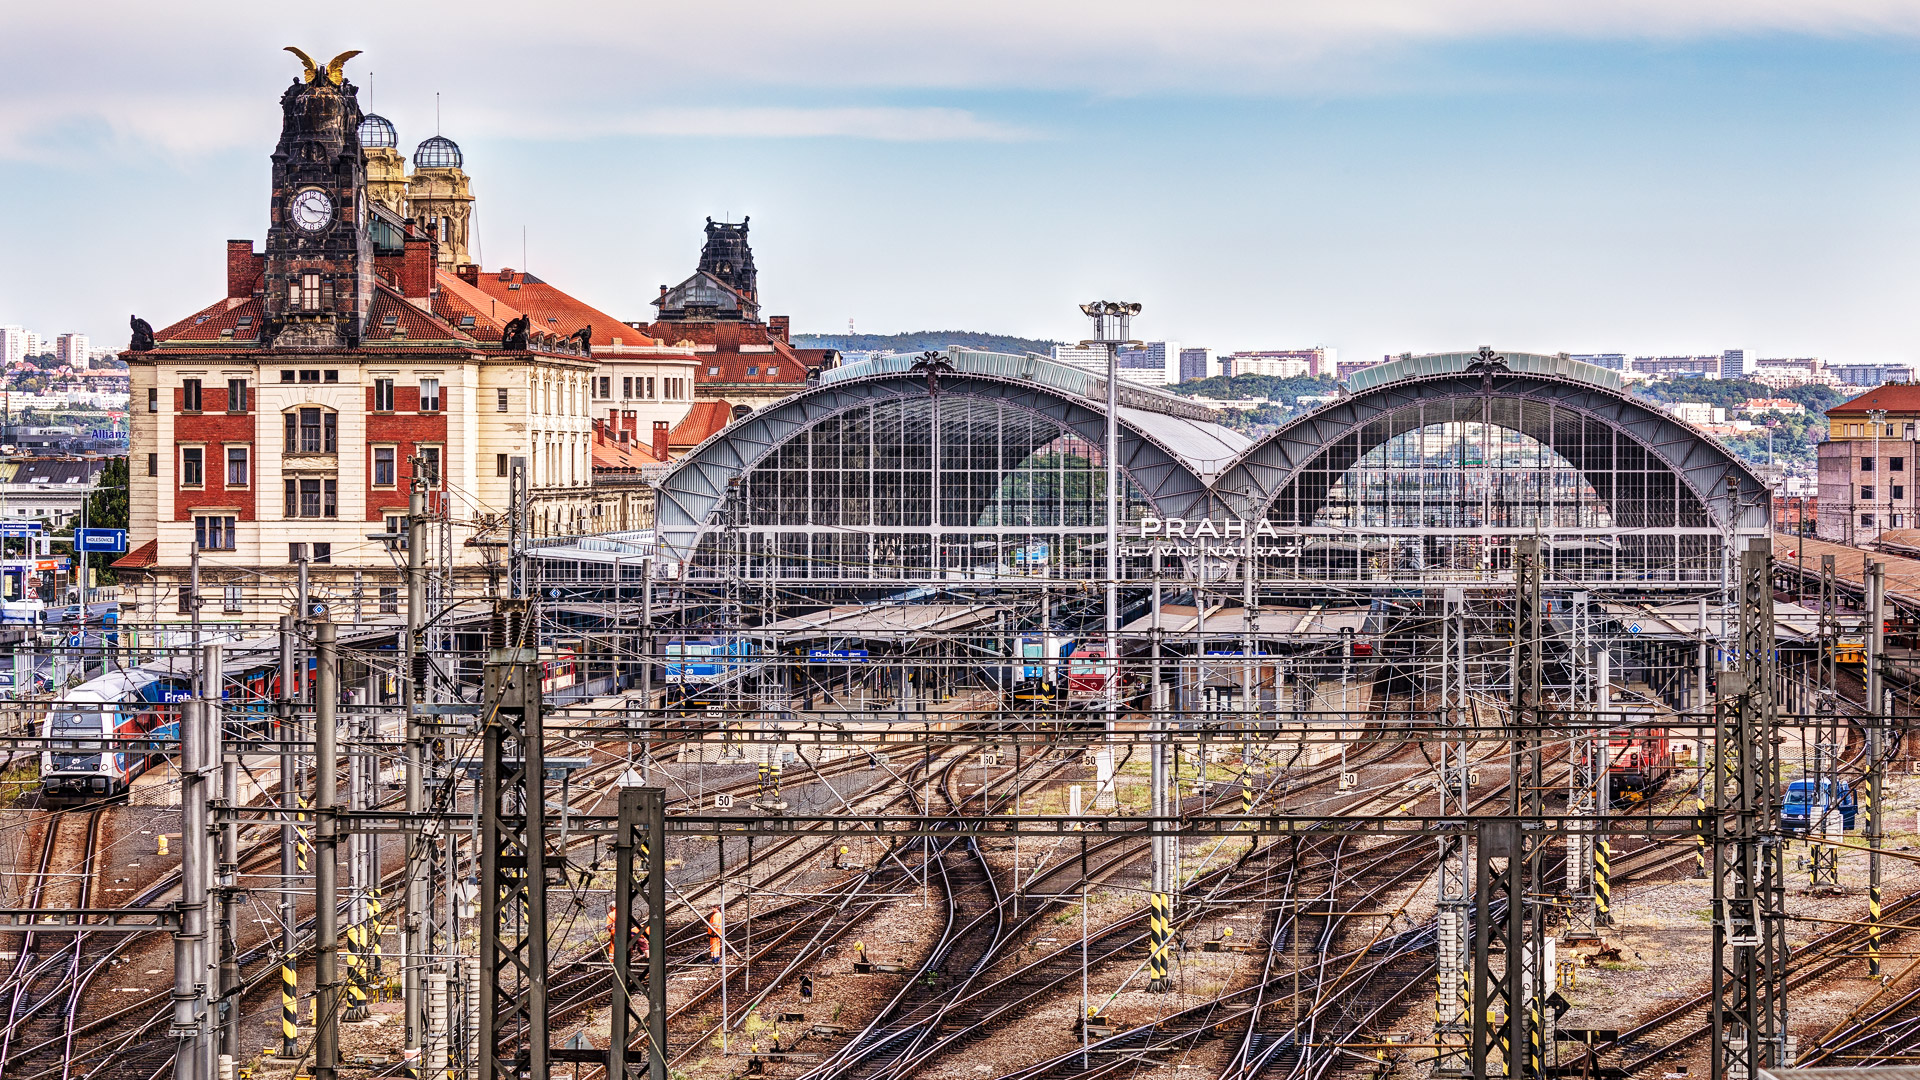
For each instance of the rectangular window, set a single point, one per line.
(310, 498)
(333, 375)
(153, 399)
(1899, 492)
(286, 375)
(500, 402)
(626, 387)
(153, 464)
(383, 467)
(233, 601)
(311, 437)
(236, 395)
(500, 464)
(1866, 520)
(1897, 519)
(323, 553)
(1866, 494)
(309, 374)
(753, 369)
(773, 371)
(713, 371)
(296, 552)
(397, 528)
(650, 386)
(1896, 464)
(193, 466)
(293, 499)
(1866, 464)
(237, 466)
(186, 599)
(190, 395)
(309, 293)
(430, 465)
(213, 533)
(383, 395)
(429, 395)
(389, 600)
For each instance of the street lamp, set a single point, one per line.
(1111, 320)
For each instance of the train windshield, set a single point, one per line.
(78, 720)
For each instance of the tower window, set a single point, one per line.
(307, 293)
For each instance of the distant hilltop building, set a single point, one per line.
(1284, 363)
(742, 358)
(1196, 362)
(1871, 374)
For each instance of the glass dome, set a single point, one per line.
(438, 152)
(377, 131)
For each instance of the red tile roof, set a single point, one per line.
(552, 311)
(1894, 397)
(409, 323)
(207, 323)
(139, 558)
(455, 300)
(700, 424)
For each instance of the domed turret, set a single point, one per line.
(376, 132)
(438, 152)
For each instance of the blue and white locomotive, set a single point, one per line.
(87, 720)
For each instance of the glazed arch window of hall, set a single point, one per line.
(312, 430)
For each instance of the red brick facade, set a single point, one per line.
(404, 429)
(214, 429)
(244, 267)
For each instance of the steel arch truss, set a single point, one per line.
(1253, 483)
(686, 501)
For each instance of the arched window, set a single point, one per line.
(312, 429)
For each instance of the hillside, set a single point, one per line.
(923, 340)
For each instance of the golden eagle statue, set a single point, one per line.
(333, 71)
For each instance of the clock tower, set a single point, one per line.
(318, 280)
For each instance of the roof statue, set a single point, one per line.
(142, 334)
(334, 72)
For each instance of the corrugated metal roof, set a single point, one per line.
(1035, 369)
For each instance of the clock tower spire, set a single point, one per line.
(318, 279)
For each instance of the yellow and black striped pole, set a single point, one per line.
(1874, 832)
(773, 771)
(1602, 883)
(289, 1008)
(1246, 799)
(375, 930)
(1159, 925)
(1700, 837)
(761, 769)
(356, 972)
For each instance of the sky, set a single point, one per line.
(1377, 176)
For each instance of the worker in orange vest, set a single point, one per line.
(716, 926)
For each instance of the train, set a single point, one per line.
(80, 765)
(1639, 761)
(705, 660)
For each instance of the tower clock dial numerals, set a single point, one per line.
(311, 210)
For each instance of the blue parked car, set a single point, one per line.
(1804, 796)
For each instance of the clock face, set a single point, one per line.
(311, 210)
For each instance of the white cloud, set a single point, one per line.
(187, 79)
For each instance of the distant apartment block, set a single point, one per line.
(1344, 368)
(1284, 363)
(72, 350)
(1196, 362)
(13, 344)
(1087, 358)
(1156, 363)
(1871, 374)
(1612, 361)
(1782, 372)
(1733, 364)
(1675, 367)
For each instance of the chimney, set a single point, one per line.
(243, 268)
(660, 440)
(470, 273)
(777, 326)
(630, 423)
(416, 268)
